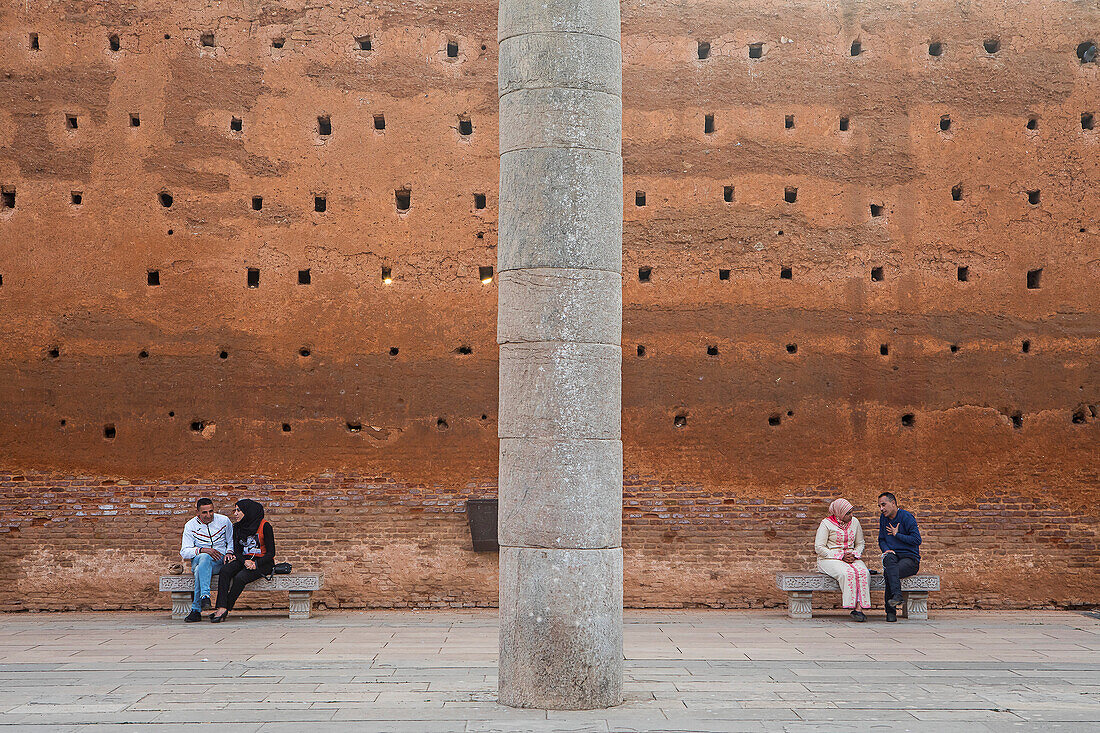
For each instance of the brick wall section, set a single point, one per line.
(776, 352)
(100, 543)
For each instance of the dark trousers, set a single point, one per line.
(234, 577)
(894, 568)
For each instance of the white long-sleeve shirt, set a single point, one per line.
(218, 534)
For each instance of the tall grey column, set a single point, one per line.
(559, 328)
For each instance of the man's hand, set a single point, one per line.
(893, 530)
(889, 552)
(211, 552)
(250, 564)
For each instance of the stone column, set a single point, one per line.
(559, 327)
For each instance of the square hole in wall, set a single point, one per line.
(278, 42)
(152, 277)
(1033, 123)
(465, 126)
(403, 199)
(877, 274)
(790, 194)
(109, 431)
(935, 48)
(963, 273)
(362, 43)
(908, 420)
(756, 50)
(165, 199)
(324, 125)
(774, 419)
(1034, 279)
(452, 49)
(723, 274)
(786, 273)
(945, 123)
(1086, 121)
(71, 122)
(135, 119)
(236, 124)
(380, 121)
(114, 42)
(353, 426)
(76, 198)
(992, 45)
(727, 194)
(387, 275)
(712, 350)
(704, 50)
(32, 42)
(884, 349)
(957, 192)
(253, 277)
(7, 197)
(639, 198)
(207, 39)
(792, 348)
(1017, 420)
(479, 201)
(788, 122)
(844, 124)
(304, 278)
(320, 204)
(641, 350)
(856, 49)
(876, 210)
(645, 274)
(485, 274)
(1025, 346)
(257, 203)
(708, 124)
(1033, 197)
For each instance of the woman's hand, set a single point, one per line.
(250, 564)
(230, 557)
(849, 557)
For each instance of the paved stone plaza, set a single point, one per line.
(435, 672)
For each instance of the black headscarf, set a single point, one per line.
(253, 514)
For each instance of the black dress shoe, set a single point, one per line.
(891, 617)
(858, 615)
(193, 616)
(895, 601)
(205, 603)
(215, 619)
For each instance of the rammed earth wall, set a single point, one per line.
(250, 252)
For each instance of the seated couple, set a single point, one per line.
(239, 553)
(839, 545)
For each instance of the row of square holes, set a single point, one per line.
(305, 277)
(402, 200)
(878, 274)
(206, 40)
(324, 123)
(54, 352)
(1081, 415)
(792, 348)
(1086, 50)
(1088, 122)
(790, 195)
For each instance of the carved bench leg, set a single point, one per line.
(916, 605)
(301, 603)
(800, 604)
(181, 603)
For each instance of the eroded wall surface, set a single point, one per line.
(861, 254)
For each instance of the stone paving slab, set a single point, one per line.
(697, 671)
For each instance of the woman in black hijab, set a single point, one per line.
(253, 555)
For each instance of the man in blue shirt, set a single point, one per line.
(899, 540)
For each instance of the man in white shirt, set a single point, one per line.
(207, 539)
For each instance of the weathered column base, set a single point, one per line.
(915, 605)
(800, 604)
(561, 628)
(301, 603)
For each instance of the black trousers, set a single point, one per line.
(234, 576)
(894, 568)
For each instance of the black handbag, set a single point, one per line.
(282, 568)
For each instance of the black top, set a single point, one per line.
(269, 546)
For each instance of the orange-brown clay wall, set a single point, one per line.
(363, 413)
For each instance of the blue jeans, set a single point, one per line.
(203, 566)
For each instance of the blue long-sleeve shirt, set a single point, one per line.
(906, 543)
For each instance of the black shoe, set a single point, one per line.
(891, 617)
(205, 603)
(858, 616)
(894, 601)
(215, 619)
(193, 616)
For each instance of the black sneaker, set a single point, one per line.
(205, 603)
(858, 616)
(193, 616)
(891, 617)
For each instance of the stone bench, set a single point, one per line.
(800, 588)
(300, 586)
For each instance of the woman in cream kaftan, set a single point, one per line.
(839, 546)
